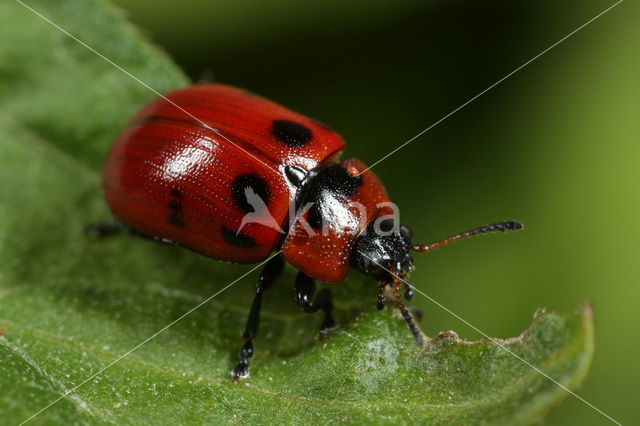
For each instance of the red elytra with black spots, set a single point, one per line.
(236, 177)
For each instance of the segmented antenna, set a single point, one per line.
(485, 229)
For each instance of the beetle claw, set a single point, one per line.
(240, 371)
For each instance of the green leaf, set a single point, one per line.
(70, 306)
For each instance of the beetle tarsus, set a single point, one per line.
(241, 370)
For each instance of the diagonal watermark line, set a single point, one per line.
(493, 85)
(205, 125)
(149, 338)
(496, 342)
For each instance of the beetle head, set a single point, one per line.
(383, 247)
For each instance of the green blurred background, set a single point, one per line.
(552, 146)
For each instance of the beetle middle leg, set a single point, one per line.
(272, 270)
(305, 291)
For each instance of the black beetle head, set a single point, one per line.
(382, 247)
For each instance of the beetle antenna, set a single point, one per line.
(485, 229)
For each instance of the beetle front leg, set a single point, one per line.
(305, 291)
(272, 270)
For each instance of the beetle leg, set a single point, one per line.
(408, 295)
(405, 314)
(305, 290)
(103, 229)
(107, 229)
(381, 288)
(272, 270)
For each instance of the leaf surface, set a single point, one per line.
(70, 305)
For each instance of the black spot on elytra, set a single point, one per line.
(237, 239)
(175, 208)
(330, 183)
(291, 133)
(249, 184)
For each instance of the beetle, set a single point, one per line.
(235, 177)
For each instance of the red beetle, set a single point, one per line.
(219, 170)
